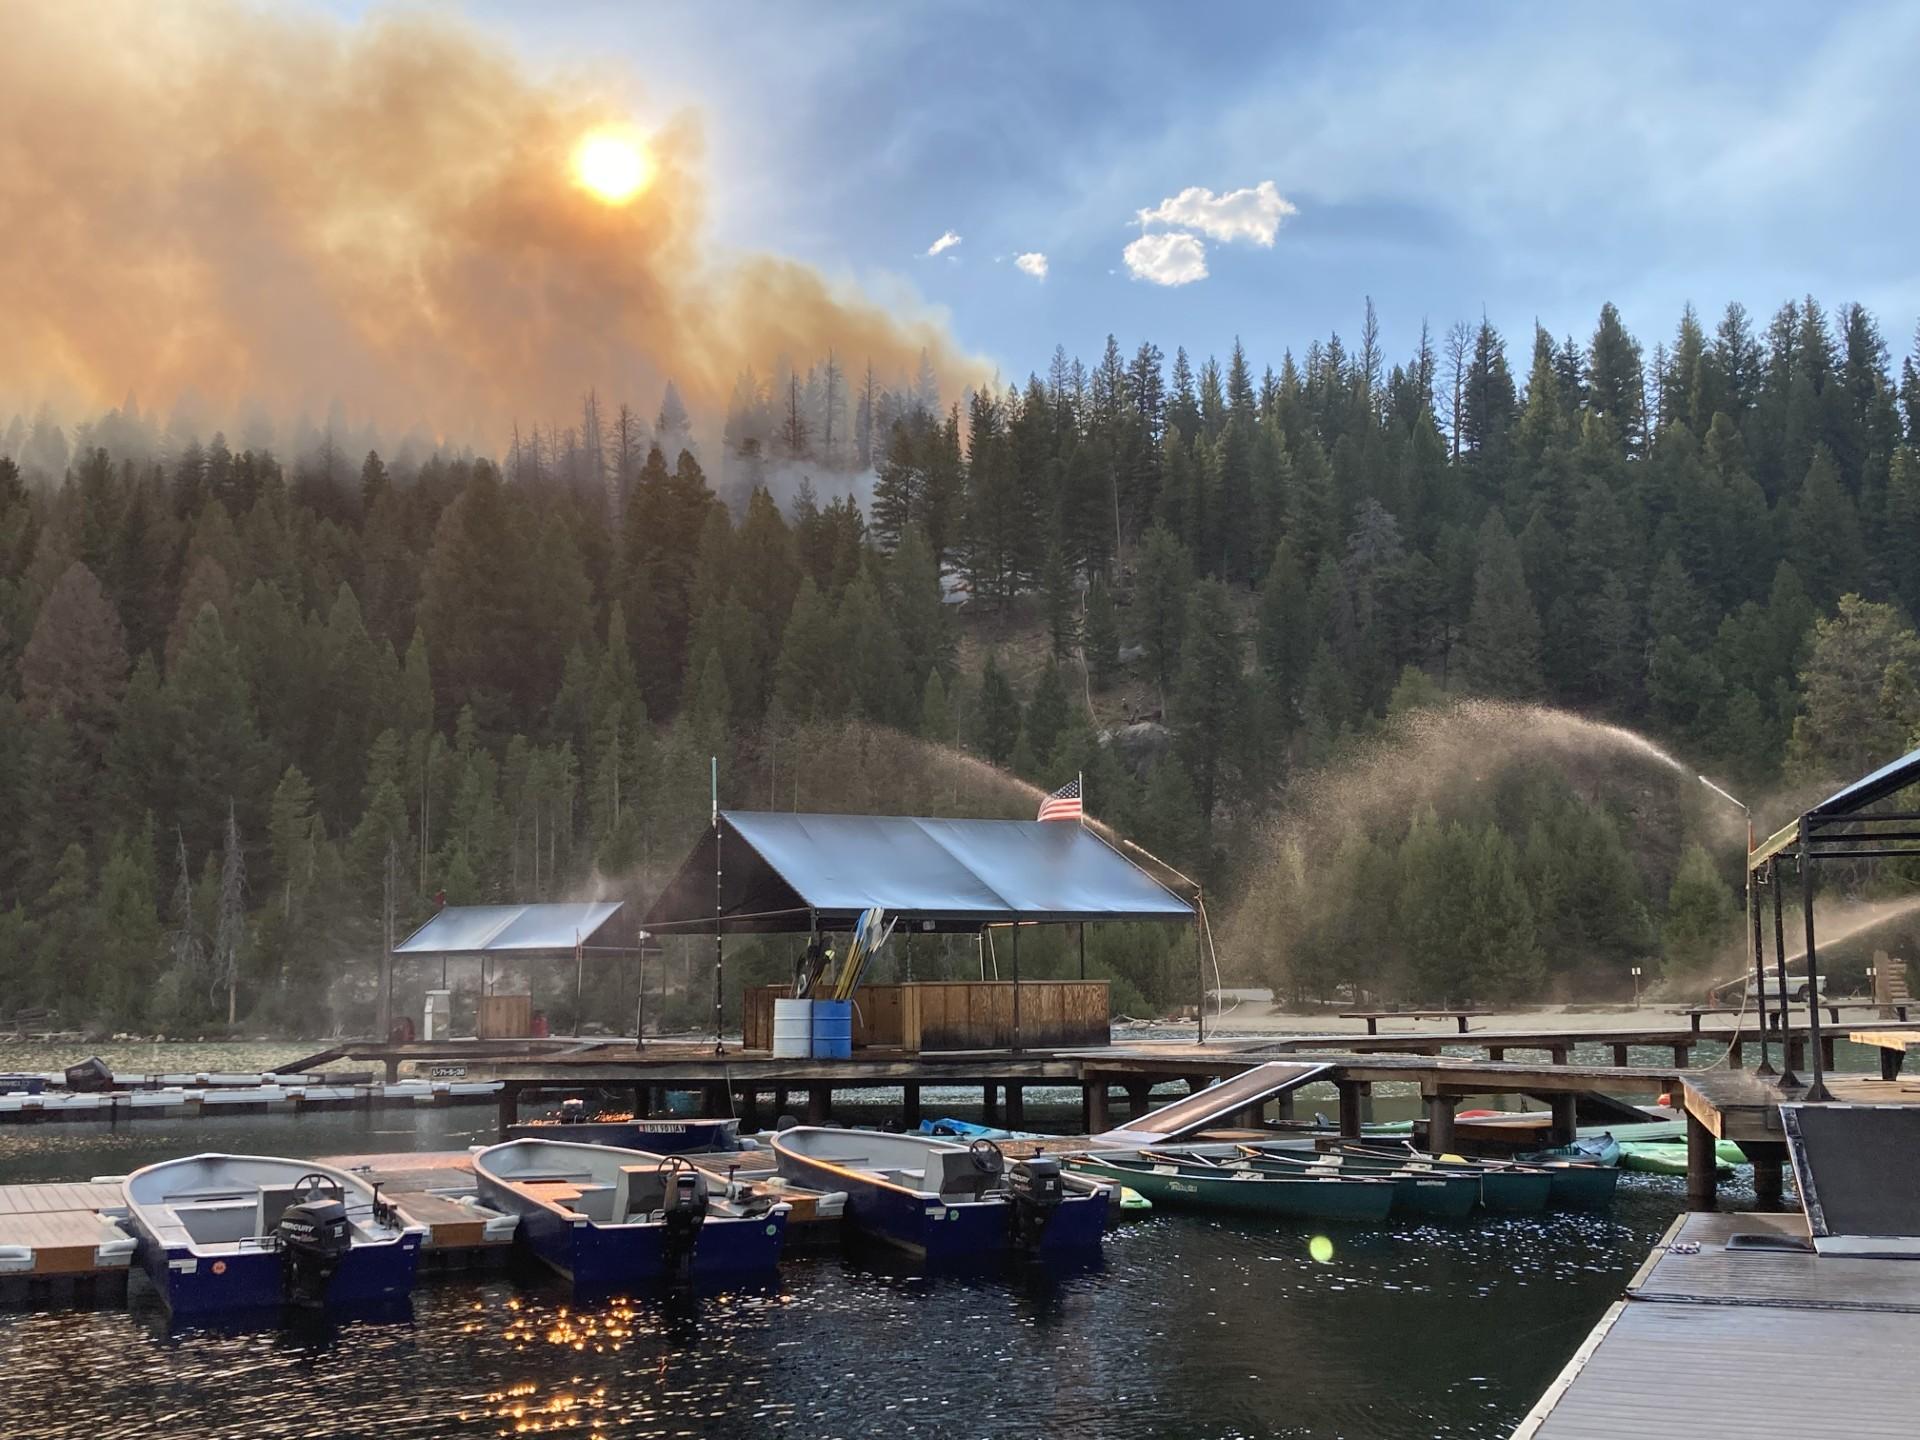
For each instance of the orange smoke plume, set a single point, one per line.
(242, 205)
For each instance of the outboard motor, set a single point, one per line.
(90, 1074)
(1036, 1188)
(683, 1203)
(314, 1237)
(573, 1111)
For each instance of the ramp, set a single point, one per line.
(1857, 1168)
(1215, 1103)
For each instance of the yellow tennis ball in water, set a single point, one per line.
(1321, 1249)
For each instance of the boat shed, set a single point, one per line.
(486, 932)
(757, 872)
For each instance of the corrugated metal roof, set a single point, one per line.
(1894, 776)
(775, 869)
(497, 929)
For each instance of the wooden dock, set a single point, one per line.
(60, 1243)
(1719, 1340)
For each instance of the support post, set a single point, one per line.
(1681, 1050)
(1200, 972)
(748, 1108)
(1559, 1053)
(780, 1106)
(1496, 1053)
(1563, 1127)
(1283, 1107)
(1767, 1157)
(1703, 1167)
(1016, 986)
(1765, 1067)
(819, 1104)
(1620, 1055)
(719, 947)
(990, 1103)
(1016, 1104)
(508, 1113)
(1349, 1108)
(910, 1104)
(1440, 1124)
(1891, 1062)
(1139, 1097)
(1818, 1089)
(1787, 1057)
(1098, 1109)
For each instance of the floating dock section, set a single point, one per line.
(1734, 1326)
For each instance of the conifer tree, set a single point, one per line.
(1503, 630)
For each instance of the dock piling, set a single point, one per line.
(1349, 1108)
(1703, 1167)
(1440, 1124)
(819, 1104)
(1768, 1159)
(910, 1105)
(1094, 1102)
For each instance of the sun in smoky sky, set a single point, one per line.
(613, 166)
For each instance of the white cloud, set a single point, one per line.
(1254, 214)
(1033, 263)
(1167, 259)
(945, 243)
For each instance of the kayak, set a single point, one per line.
(1588, 1150)
(1197, 1187)
(1669, 1159)
(950, 1129)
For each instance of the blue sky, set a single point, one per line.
(1531, 160)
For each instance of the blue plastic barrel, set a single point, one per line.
(832, 1029)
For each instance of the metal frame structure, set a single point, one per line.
(1844, 826)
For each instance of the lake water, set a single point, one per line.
(1190, 1327)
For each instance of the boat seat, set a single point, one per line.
(951, 1174)
(198, 1197)
(641, 1190)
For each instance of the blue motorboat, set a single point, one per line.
(944, 1200)
(612, 1220)
(672, 1135)
(228, 1233)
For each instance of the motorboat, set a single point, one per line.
(245, 1232)
(612, 1219)
(944, 1199)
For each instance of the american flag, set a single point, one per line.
(1064, 803)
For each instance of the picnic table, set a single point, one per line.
(1832, 1007)
(1374, 1017)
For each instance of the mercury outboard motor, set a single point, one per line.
(683, 1203)
(1036, 1188)
(314, 1238)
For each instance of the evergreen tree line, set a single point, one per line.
(249, 716)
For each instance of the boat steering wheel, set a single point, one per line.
(988, 1158)
(315, 1186)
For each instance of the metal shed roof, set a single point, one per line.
(494, 929)
(776, 871)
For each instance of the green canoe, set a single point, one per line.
(1508, 1189)
(1247, 1192)
(1424, 1193)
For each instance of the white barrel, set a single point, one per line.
(792, 1029)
